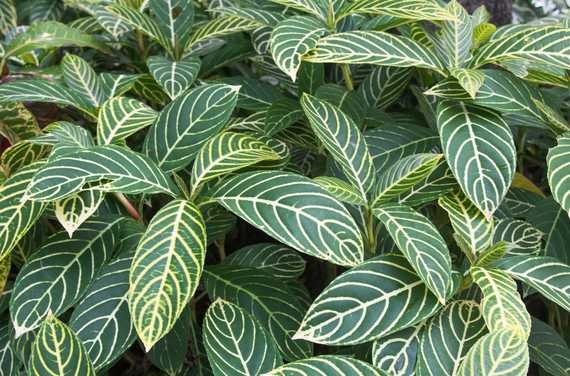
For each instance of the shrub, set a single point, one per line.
(249, 187)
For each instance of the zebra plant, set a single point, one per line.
(282, 187)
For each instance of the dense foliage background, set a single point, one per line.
(284, 187)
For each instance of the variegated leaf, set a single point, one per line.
(470, 80)
(266, 298)
(330, 365)
(175, 77)
(480, 151)
(114, 168)
(278, 260)
(384, 85)
(175, 18)
(381, 296)
(457, 36)
(396, 353)
(236, 343)
(339, 189)
(523, 237)
(373, 47)
(121, 117)
(82, 79)
(173, 144)
(292, 209)
(222, 26)
(421, 243)
(468, 221)
(292, 39)
(502, 306)
(166, 269)
(548, 349)
(342, 138)
(72, 211)
(498, 353)
(558, 161)
(61, 271)
(408, 9)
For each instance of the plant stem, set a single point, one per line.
(221, 244)
(369, 217)
(127, 205)
(347, 78)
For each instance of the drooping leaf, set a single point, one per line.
(330, 365)
(120, 169)
(73, 210)
(421, 243)
(166, 269)
(60, 272)
(9, 363)
(500, 352)
(278, 260)
(173, 143)
(384, 85)
(378, 297)
(16, 215)
(342, 138)
(372, 47)
(396, 353)
(266, 298)
(291, 39)
(175, 17)
(339, 189)
(409, 9)
(58, 351)
(296, 211)
(236, 342)
(468, 221)
(454, 329)
(558, 170)
(121, 117)
(175, 77)
(523, 237)
(480, 151)
(502, 306)
(222, 26)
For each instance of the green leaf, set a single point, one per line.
(491, 255)
(522, 236)
(58, 351)
(502, 306)
(342, 138)
(115, 85)
(316, 8)
(266, 298)
(17, 123)
(480, 151)
(545, 274)
(281, 114)
(175, 17)
(73, 210)
(16, 215)
(222, 26)
(558, 171)
(470, 80)
(498, 353)
(297, 212)
(440, 182)
(111, 23)
(226, 153)
(549, 217)
(38, 90)
(22, 154)
(8, 19)
(330, 365)
(339, 189)
(468, 222)
(9, 363)
(174, 144)
(101, 319)
(408, 9)
(396, 353)
(169, 354)
(60, 272)
(403, 175)
(378, 297)
(278, 260)
(548, 349)
(421, 243)
(174, 77)
(121, 117)
(254, 95)
(142, 22)
(114, 168)
(82, 79)
(51, 34)
(449, 335)
(236, 342)
(268, 18)
(384, 85)
(292, 39)
(457, 36)
(542, 45)
(166, 269)
(373, 47)
(66, 138)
